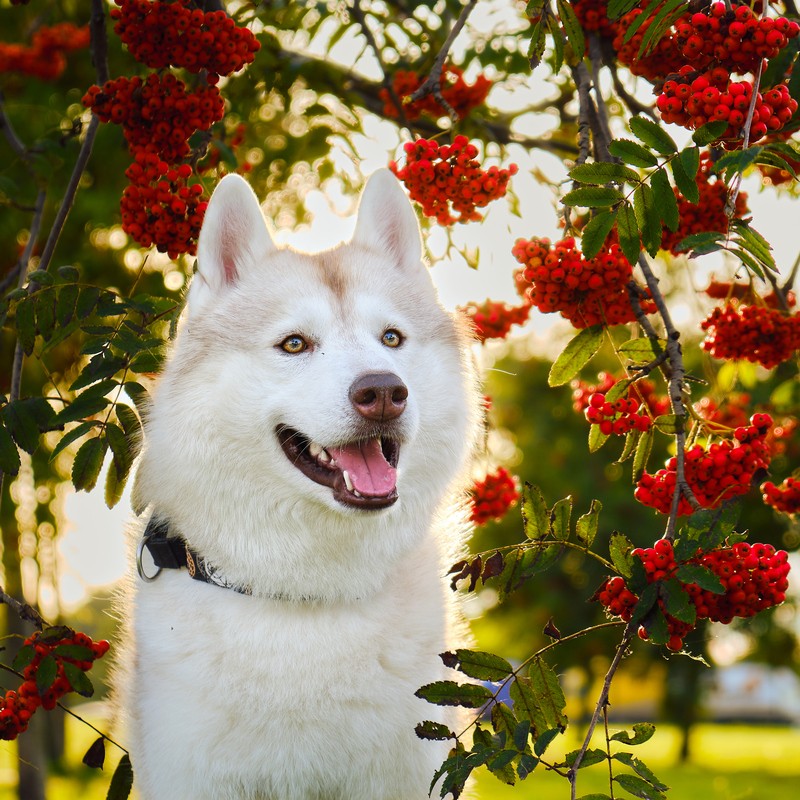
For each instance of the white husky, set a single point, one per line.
(305, 446)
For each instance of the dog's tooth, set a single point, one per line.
(315, 449)
(347, 482)
(357, 493)
(323, 456)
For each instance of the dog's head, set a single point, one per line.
(334, 378)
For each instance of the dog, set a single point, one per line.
(304, 458)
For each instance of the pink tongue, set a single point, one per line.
(372, 475)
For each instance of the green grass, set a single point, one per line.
(729, 762)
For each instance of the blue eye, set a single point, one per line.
(294, 344)
(392, 338)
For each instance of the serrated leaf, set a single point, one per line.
(71, 436)
(616, 8)
(640, 20)
(527, 764)
(684, 172)
(25, 321)
(647, 218)
(500, 766)
(642, 732)
(737, 161)
(520, 736)
(668, 13)
(122, 780)
(433, 731)
(587, 524)
(594, 235)
(550, 697)
(575, 355)
(77, 652)
(118, 442)
(450, 693)
(619, 389)
(137, 393)
(557, 39)
(591, 757)
(641, 769)
(69, 273)
(602, 172)
(87, 301)
(536, 45)
(24, 657)
(754, 243)
(483, 666)
(593, 197)
(702, 243)
(677, 602)
(80, 408)
(710, 132)
(751, 263)
(632, 153)
(45, 302)
(642, 350)
(544, 740)
(653, 621)
(665, 201)
(643, 449)
(21, 424)
(700, 575)
(638, 787)
(46, 673)
(596, 438)
(65, 303)
(88, 463)
(114, 486)
(669, 423)
(619, 548)
(534, 513)
(653, 135)
(78, 680)
(572, 28)
(560, 517)
(628, 234)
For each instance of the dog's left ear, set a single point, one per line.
(386, 221)
(233, 239)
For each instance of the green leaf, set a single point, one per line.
(684, 171)
(21, 424)
(575, 355)
(65, 303)
(641, 769)
(653, 135)
(80, 408)
(737, 161)
(76, 652)
(642, 454)
(591, 757)
(433, 730)
(596, 438)
(535, 518)
(709, 132)
(87, 301)
(631, 153)
(642, 350)
(702, 243)
(559, 519)
(702, 576)
(602, 172)
(40, 277)
(9, 455)
(668, 14)
(450, 693)
(483, 666)
(616, 8)
(78, 680)
(619, 548)
(544, 740)
(146, 362)
(628, 233)
(587, 524)
(115, 485)
(71, 436)
(137, 393)
(628, 449)
(638, 787)
(642, 732)
(550, 697)
(120, 449)
(754, 243)
(69, 273)
(677, 602)
(527, 764)
(45, 313)
(24, 657)
(594, 235)
(665, 200)
(669, 423)
(122, 780)
(536, 45)
(640, 20)
(572, 28)
(25, 321)
(88, 463)
(558, 42)
(647, 602)
(46, 673)
(647, 218)
(593, 197)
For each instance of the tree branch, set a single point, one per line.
(23, 610)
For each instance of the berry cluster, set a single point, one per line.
(655, 65)
(785, 497)
(753, 578)
(455, 91)
(493, 319)
(593, 16)
(619, 417)
(724, 470)
(446, 178)
(157, 115)
(557, 278)
(161, 206)
(44, 58)
(708, 214)
(493, 496)
(161, 34)
(643, 392)
(68, 654)
(732, 412)
(692, 99)
(736, 40)
(759, 334)
(725, 290)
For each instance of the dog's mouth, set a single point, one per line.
(362, 474)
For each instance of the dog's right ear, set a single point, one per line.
(233, 238)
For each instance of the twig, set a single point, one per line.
(96, 730)
(789, 282)
(634, 106)
(17, 145)
(23, 610)
(432, 84)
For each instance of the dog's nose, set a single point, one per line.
(379, 396)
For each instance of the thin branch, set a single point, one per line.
(89, 725)
(17, 145)
(23, 610)
(789, 282)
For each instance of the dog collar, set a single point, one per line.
(173, 552)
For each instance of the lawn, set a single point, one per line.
(730, 762)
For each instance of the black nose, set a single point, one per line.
(379, 396)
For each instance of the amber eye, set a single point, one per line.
(294, 344)
(392, 338)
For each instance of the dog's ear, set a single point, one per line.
(234, 237)
(386, 221)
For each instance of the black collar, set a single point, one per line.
(172, 552)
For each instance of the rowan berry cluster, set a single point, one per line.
(724, 470)
(655, 65)
(727, 290)
(753, 333)
(455, 91)
(493, 319)
(736, 40)
(785, 497)
(445, 179)
(44, 58)
(157, 115)
(753, 578)
(68, 655)
(709, 213)
(730, 413)
(557, 278)
(161, 33)
(619, 417)
(593, 16)
(493, 496)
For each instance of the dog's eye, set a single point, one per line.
(392, 338)
(294, 344)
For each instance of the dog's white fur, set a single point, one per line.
(304, 690)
